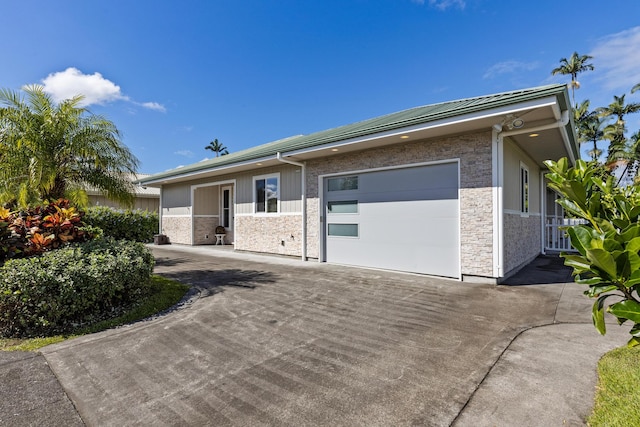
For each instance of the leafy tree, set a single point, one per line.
(50, 151)
(608, 245)
(217, 147)
(573, 66)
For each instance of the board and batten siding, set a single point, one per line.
(513, 156)
(290, 189)
(176, 199)
(206, 200)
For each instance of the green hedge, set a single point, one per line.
(136, 225)
(72, 286)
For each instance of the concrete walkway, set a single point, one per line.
(273, 341)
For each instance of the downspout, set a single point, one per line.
(303, 199)
(160, 230)
(497, 182)
(543, 214)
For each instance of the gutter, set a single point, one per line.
(303, 199)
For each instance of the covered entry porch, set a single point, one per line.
(213, 207)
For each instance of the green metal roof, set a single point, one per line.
(399, 120)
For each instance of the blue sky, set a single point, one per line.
(174, 75)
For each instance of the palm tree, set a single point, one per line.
(50, 151)
(634, 156)
(592, 132)
(217, 147)
(619, 109)
(635, 88)
(573, 66)
(589, 126)
(615, 132)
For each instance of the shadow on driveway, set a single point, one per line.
(210, 282)
(544, 270)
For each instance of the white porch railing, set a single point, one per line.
(557, 239)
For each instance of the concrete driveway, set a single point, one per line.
(269, 341)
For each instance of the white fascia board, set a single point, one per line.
(195, 174)
(549, 101)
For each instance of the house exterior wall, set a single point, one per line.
(275, 234)
(251, 232)
(206, 200)
(522, 241)
(290, 189)
(177, 228)
(476, 206)
(522, 231)
(278, 233)
(204, 230)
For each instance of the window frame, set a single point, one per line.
(226, 214)
(254, 190)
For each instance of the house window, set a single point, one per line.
(266, 193)
(343, 183)
(226, 208)
(524, 188)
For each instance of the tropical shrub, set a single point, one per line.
(40, 229)
(137, 225)
(608, 259)
(75, 285)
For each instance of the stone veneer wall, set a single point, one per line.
(202, 227)
(522, 240)
(177, 228)
(476, 207)
(266, 233)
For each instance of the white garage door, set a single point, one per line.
(400, 219)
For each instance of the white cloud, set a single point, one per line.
(94, 87)
(509, 67)
(185, 153)
(71, 82)
(154, 106)
(616, 60)
(444, 4)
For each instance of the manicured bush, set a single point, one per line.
(136, 225)
(75, 285)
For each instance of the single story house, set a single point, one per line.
(454, 189)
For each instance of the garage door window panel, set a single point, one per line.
(343, 230)
(342, 207)
(343, 183)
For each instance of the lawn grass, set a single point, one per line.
(163, 294)
(617, 400)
